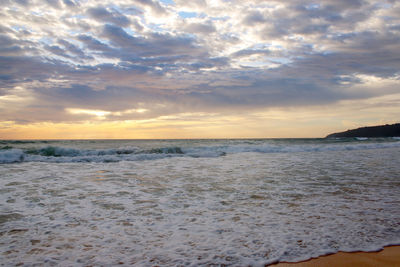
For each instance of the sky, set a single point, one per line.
(81, 69)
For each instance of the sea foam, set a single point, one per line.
(196, 202)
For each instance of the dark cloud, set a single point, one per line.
(343, 5)
(69, 3)
(313, 28)
(156, 44)
(76, 92)
(254, 17)
(205, 28)
(328, 13)
(92, 43)
(157, 50)
(112, 16)
(207, 63)
(372, 41)
(272, 92)
(55, 49)
(260, 93)
(5, 29)
(309, 18)
(137, 26)
(54, 3)
(380, 64)
(9, 46)
(22, 2)
(20, 69)
(73, 49)
(84, 97)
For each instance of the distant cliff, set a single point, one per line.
(373, 131)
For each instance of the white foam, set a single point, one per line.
(240, 209)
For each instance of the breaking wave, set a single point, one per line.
(58, 154)
(11, 156)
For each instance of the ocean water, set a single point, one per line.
(195, 202)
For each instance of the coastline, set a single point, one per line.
(388, 256)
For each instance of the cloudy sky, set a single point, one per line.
(197, 69)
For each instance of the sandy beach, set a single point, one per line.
(389, 256)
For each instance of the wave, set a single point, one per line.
(54, 151)
(24, 141)
(66, 154)
(9, 154)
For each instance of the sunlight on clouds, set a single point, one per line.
(201, 68)
(102, 114)
(316, 121)
(129, 111)
(15, 98)
(370, 83)
(373, 80)
(6, 124)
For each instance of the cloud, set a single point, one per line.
(93, 43)
(55, 49)
(69, 3)
(245, 55)
(104, 15)
(72, 49)
(153, 5)
(249, 52)
(205, 28)
(54, 3)
(9, 46)
(254, 17)
(155, 44)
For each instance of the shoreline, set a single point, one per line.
(388, 256)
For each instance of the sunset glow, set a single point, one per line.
(196, 69)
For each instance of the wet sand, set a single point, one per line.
(389, 256)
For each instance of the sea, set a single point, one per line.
(225, 202)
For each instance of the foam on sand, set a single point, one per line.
(387, 257)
